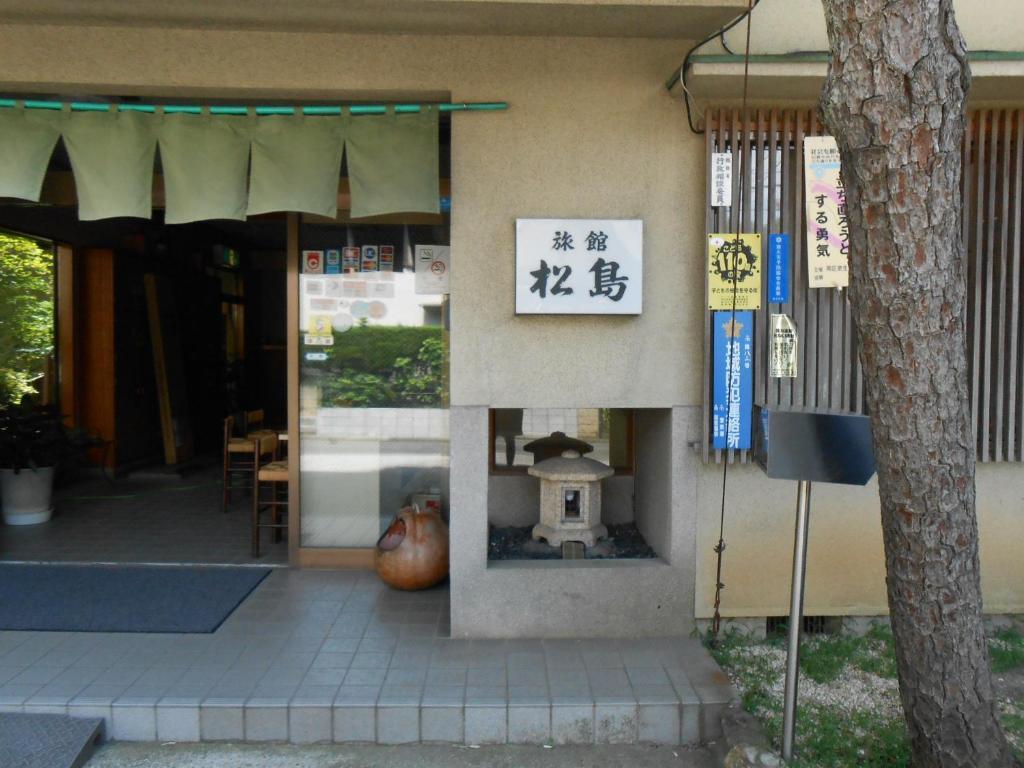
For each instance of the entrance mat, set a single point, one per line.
(122, 598)
(47, 741)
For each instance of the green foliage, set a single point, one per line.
(35, 436)
(1006, 650)
(372, 366)
(26, 315)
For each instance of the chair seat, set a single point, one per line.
(267, 438)
(274, 471)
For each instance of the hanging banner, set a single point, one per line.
(733, 380)
(779, 258)
(782, 355)
(828, 232)
(734, 265)
(721, 179)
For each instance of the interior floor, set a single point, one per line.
(147, 517)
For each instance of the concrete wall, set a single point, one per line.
(655, 506)
(992, 25)
(612, 598)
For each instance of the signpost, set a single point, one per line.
(579, 266)
(806, 444)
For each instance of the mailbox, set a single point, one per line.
(794, 443)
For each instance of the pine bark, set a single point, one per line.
(895, 101)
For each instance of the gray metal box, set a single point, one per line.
(793, 443)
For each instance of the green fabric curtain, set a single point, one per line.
(296, 163)
(205, 163)
(27, 139)
(393, 164)
(112, 159)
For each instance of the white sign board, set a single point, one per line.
(433, 268)
(579, 266)
(721, 179)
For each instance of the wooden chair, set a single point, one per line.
(239, 464)
(272, 477)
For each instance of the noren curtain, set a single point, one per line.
(226, 167)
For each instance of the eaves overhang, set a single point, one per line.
(996, 77)
(673, 19)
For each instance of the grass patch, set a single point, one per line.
(828, 740)
(1006, 650)
(832, 732)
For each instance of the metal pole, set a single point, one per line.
(170, 109)
(796, 617)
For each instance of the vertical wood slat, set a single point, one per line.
(1000, 308)
(772, 224)
(793, 169)
(711, 142)
(799, 275)
(979, 249)
(986, 371)
(767, 148)
(1013, 450)
(757, 222)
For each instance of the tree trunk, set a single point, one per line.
(895, 100)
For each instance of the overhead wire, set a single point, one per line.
(684, 68)
(719, 548)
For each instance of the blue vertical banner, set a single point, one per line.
(779, 259)
(733, 391)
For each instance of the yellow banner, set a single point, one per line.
(734, 266)
(828, 232)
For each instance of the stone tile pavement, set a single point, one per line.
(335, 656)
(150, 517)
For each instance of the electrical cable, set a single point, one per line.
(684, 68)
(719, 548)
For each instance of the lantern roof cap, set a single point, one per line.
(571, 466)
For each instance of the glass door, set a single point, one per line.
(373, 379)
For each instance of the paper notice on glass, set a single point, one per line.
(721, 179)
(782, 357)
(828, 232)
(433, 264)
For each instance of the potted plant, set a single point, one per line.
(33, 442)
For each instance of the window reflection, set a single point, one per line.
(373, 386)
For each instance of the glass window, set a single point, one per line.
(373, 382)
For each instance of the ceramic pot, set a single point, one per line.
(26, 495)
(413, 552)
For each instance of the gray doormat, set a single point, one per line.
(47, 741)
(122, 598)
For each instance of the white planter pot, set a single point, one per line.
(26, 496)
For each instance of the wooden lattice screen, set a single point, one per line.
(770, 142)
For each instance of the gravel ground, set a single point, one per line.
(512, 543)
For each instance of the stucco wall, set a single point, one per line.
(992, 25)
(845, 562)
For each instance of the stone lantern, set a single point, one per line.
(570, 499)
